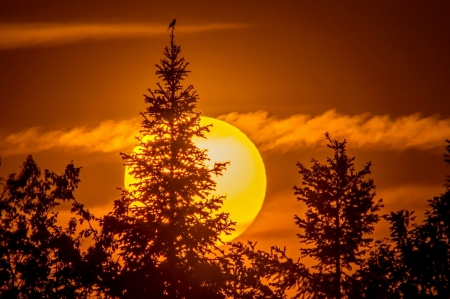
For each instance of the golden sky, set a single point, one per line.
(375, 73)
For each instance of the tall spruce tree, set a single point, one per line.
(340, 212)
(165, 230)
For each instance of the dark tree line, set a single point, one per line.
(414, 262)
(162, 237)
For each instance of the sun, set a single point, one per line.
(243, 182)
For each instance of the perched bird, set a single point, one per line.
(172, 24)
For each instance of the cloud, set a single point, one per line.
(108, 136)
(43, 34)
(270, 133)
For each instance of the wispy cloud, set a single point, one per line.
(270, 133)
(21, 35)
(108, 136)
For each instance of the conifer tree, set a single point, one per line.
(165, 231)
(340, 212)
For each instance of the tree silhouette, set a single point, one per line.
(38, 258)
(340, 212)
(447, 160)
(415, 261)
(162, 236)
(256, 274)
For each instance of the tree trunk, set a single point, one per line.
(337, 278)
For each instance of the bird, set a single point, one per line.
(172, 24)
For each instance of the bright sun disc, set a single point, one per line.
(243, 182)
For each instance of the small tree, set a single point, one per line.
(166, 230)
(415, 261)
(340, 212)
(38, 258)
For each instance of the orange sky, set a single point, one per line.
(73, 74)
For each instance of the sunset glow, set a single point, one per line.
(312, 103)
(244, 181)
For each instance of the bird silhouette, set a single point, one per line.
(172, 24)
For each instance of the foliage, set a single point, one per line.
(161, 237)
(415, 261)
(262, 275)
(447, 160)
(38, 258)
(340, 212)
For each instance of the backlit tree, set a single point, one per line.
(340, 213)
(38, 257)
(415, 261)
(164, 231)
